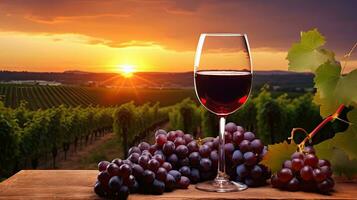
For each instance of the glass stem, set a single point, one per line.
(221, 175)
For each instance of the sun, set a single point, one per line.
(127, 70)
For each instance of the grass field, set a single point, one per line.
(50, 96)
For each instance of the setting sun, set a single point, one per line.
(127, 70)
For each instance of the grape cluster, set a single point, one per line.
(243, 153)
(304, 171)
(176, 160)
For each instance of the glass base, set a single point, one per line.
(221, 185)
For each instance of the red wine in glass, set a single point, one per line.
(223, 92)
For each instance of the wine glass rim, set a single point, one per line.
(224, 34)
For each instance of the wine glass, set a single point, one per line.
(223, 79)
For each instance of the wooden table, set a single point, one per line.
(78, 184)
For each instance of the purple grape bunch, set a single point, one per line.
(304, 171)
(176, 160)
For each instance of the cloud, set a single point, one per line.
(176, 24)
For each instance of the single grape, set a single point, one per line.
(153, 148)
(298, 155)
(115, 183)
(161, 139)
(144, 146)
(287, 164)
(184, 182)
(134, 157)
(244, 146)
(113, 169)
(153, 165)
(168, 148)
(102, 165)
(195, 175)
(326, 170)
(99, 189)
(319, 175)
(256, 172)
(160, 158)
(249, 136)
(242, 171)
(123, 192)
(125, 170)
(293, 185)
(143, 161)
(192, 146)
(237, 137)
(103, 178)
(204, 151)
(188, 138)
(171, 136)
(306, 173)
(159, 132)
(209, 144)
(167, 166)
(161, 174)
(148, 176)
(257, 146)
(176, 174)
(326, 185)
(184, 162)
(179, 141)
(173, 160)
(137, 171)
(228, 137)
(118, 161)
(296, 164)
(135, 188)
(180, 133)
(249, 158)
(228, 149)
(231, 127)
(309, 150)
(215, 143)
(129, 181)
(311, 160)
(170, 182)
(158, 187)
(214, 158)
(276, 182)
(146, 153)
(323, 162)
(159, 151)
(205, 164)
(241, 129)
(185, 171)
(285, 175)
(194, 158)
(181, 151)
(128, 162)
(134, 149)
(237, 157)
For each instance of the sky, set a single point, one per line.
(161, 35)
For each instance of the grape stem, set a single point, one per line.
(309, 136)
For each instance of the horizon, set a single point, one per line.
(37, 35)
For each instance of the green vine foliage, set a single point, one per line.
(333, 88)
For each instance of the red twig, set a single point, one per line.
(322, 124)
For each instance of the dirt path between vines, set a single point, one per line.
(74, 159)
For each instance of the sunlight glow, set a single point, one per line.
(127, 70)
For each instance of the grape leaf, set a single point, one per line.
(345, 141)
(326, 78)
(307, 55)
(346, 88)
(277, 154)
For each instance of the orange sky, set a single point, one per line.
(157, 35)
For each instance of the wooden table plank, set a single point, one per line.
(78, 184)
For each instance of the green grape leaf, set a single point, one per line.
(345, 141)
(307, 55)
(346, 88)
(327, 105)
(326, 78)
(277, 154)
